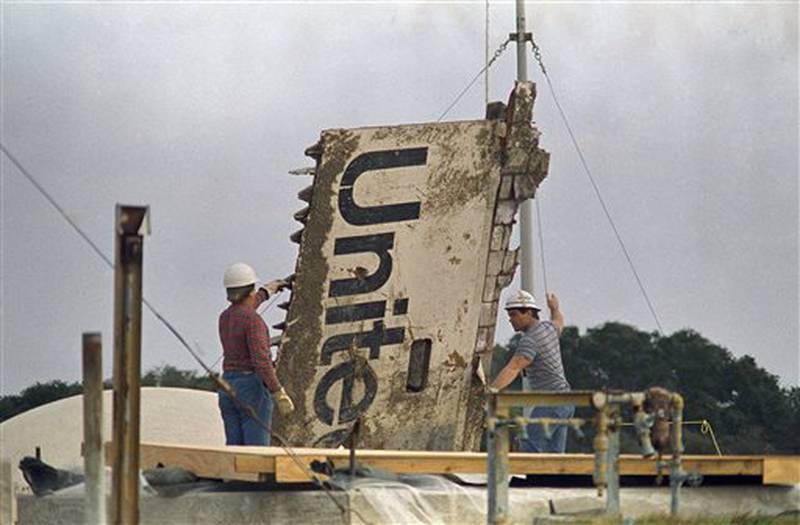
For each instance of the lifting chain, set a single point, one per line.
(537, 54)
(497, 53)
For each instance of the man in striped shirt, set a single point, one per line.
(538, 357)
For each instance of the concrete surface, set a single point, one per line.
(381, 503)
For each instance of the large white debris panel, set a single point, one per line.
(402, 259)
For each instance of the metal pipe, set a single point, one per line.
(93, 428)
(497, 448)
(572, 422)
(132, 223)
(522, 62)
(608, 423)
(642, 423)
(632, 398)
(526, 209)
(600, 449)
(353, 441)
(676, 476)
(612, 464)
(578, 398)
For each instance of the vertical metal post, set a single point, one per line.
(676, 474)
(7, 502)
(612, 464)
(132, 223)
(522, 62)
(353, 442)
(526, 210)
(93, 428)
(600, 445)
(497, 449)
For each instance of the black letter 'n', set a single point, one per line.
(379, 244)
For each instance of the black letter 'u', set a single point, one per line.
(377, 160)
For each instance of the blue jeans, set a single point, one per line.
(241, 429)
(537, 441)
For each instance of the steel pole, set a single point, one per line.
(132, 223)
(676, 475)
(93, 428)
(497, 450)
(7, 496)
(526, 210)
(612, 464)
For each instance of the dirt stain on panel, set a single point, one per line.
(300, 354)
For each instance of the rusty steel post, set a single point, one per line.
(93, 428)
(601, 452)
(497, 450)
(353, 442)
(7, 502)
(132, 223)
(612, 462)
(676, 475)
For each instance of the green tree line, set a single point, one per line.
(43, 393)
(749, 412)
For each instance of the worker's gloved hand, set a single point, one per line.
(275, 286)
(552, 302)
(285, 405)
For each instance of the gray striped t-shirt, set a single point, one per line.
(539, 343)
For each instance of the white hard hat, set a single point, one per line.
(238, 275)
(521, 299)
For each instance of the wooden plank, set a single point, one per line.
(288, 471)
(781, 470)
(249, 463)
(716, 466)
(410, 462)
(204, 462)
(419, 465)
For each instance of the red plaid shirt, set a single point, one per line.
(245, 342)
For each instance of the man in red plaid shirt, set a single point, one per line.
(247, 362)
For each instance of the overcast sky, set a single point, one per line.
(687, 114)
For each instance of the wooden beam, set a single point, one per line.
(287, 469)
(205, 462)
(251, 463)
(781, 470)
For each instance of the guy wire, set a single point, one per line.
(537, 54)
(220, 382)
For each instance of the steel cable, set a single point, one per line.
(537, 200)
(221, 383)
(496, 55)
(538, 56)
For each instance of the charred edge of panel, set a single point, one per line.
(524, 167)
(297, 367)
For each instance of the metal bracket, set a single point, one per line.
(514, 37)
